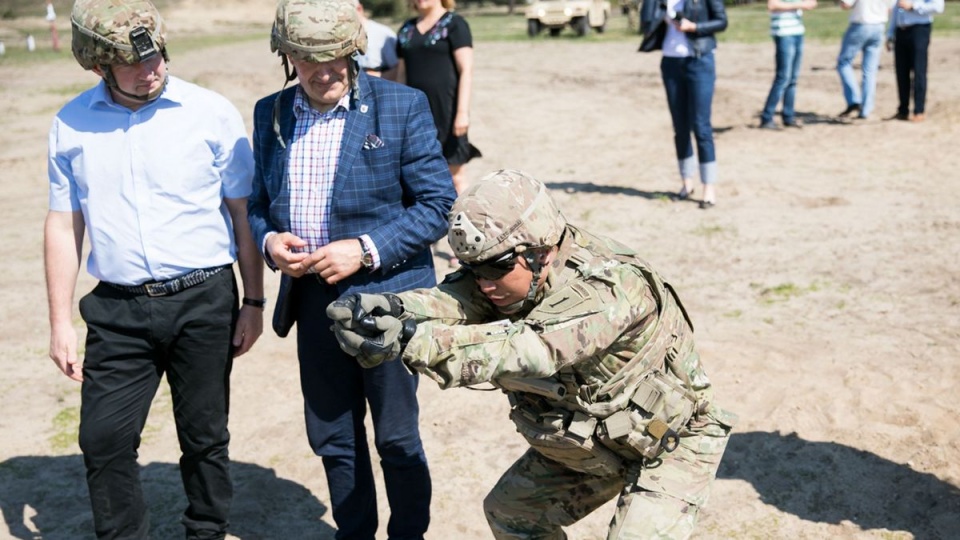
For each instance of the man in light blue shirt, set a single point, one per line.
(909, 37)
(157, 171)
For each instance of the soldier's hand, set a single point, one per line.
(378, 340)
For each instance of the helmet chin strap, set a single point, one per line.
(112, 84)
(533, 261)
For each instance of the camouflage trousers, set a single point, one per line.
(537, 496)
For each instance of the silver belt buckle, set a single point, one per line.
(155, 289)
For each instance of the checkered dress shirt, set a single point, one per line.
(312, 167)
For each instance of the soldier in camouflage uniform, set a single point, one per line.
(593, 349)
(157, 172)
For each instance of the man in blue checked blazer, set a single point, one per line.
(350, 190)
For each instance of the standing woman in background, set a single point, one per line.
(436, 56)
(689, 74)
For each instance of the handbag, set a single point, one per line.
(654, 40)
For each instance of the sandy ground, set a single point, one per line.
(823, 288)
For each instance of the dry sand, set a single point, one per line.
(823, 288)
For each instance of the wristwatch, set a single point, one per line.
(366, 257)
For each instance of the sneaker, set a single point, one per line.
(850, 110)
(769, 125)
(792, 123)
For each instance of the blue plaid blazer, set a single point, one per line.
(397, 190)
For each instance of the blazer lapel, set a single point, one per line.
(359, 123)
(282, 155)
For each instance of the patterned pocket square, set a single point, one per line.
(372, 141)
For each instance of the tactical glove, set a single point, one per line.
(354, 310)
(367, 327)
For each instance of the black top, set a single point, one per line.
(430, 67)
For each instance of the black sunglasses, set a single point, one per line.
(495, 268)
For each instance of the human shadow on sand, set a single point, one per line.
(45, 497)
(590, 187)
(829, 483)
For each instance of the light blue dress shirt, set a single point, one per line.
(922, 12)
(151, 182)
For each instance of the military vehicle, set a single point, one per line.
(554, 15)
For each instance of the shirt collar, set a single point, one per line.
(301, 104)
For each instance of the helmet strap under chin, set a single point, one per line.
(113, 86)
(533, 261)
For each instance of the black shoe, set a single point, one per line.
(769, 125)
(706, 205)
(850, 110)
(792, 123)
(900, 116)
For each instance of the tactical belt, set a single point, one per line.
(171, 286)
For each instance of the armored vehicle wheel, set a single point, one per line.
(533, 27)
(554, 32)
(582, 26)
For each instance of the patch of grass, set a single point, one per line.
(735, 314)
(66, 429)
(781, 292)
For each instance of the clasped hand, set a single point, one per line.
(369, 327)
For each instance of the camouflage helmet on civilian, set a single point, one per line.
(318, 30)
(506, 211)
(107, 32)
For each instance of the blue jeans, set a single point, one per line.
(789, 55)
(337, 393)
(689, 84)
(866, 38)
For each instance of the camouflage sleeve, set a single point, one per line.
(455, 301)
(584, 319)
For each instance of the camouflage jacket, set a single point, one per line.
(602, 320)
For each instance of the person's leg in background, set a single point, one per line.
(903, 62)
(459, 174)
(678, 100)
(701, 76)
(921, 48)
(794, 60)
(872, 43)
(782, 59)
(850, 47)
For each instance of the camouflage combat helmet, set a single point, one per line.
(318, 30)
(107, 32)
(505, 211)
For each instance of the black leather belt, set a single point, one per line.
(172, 286)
